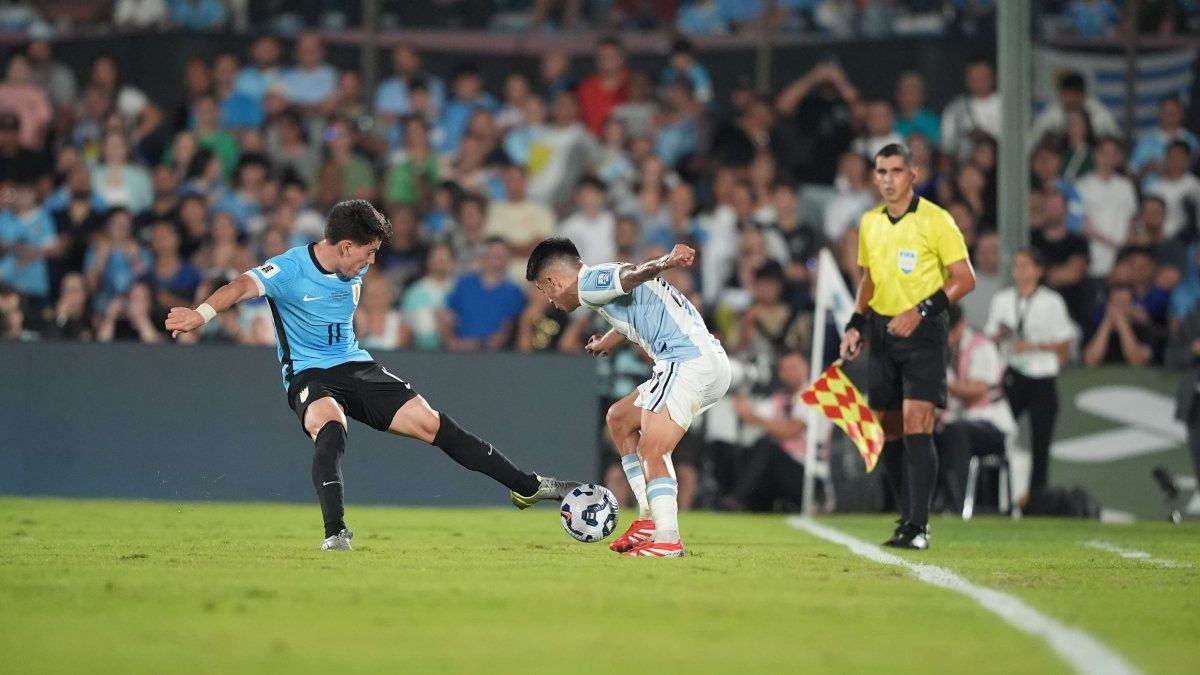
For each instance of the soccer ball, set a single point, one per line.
(589, 512)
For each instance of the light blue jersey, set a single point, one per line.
(313, 310)
(654, 314)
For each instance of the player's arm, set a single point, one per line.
(603, 345)
(185, 320)
(632, 276)
(852, 339)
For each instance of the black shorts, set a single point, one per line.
(908, 368)
(367, 391)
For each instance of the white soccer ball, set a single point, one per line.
(589, 512)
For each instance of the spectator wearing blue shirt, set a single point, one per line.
(244, 202)
(701, 17)
(392, 96)
(1148, 155)
(684, 66)
(682, 226)
(27, 238)
(911, 114)
(1046, 168)
(238, 110)
(198, 15)
(483, 308)
(1093, 18)
(312, 82)
(469, 97)
(115, 260)
(678, 133)
(254, 80)
(173, 279)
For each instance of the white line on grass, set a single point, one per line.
(1133, 554)
(1083, 652)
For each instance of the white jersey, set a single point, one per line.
(654, 314)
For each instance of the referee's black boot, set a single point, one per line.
(912, 537)
(895, 533)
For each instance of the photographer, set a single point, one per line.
(1032, 325)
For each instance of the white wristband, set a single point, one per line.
(207, 312)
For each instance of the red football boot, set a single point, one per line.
(657, 549)
(639, 531)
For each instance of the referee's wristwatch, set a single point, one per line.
(933, 305)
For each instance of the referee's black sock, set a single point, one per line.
(921, 465)
(893, 467)
(327, 475)
(478, 455)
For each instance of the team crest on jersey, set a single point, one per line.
(908, 261)
(304, 394)
(357, 291)
(269, 270)
(604, 278)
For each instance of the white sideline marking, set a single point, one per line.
(1133, 554)
(1084, 653)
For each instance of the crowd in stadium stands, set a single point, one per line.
(115, 207)
(833, 18)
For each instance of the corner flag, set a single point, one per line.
(835, 396)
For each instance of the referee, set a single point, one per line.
(915, 265)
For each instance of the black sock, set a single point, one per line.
(327, 475)
(921, 466)
(477, 455)
(893, 467)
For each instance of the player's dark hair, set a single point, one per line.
(358, 221)
(894, 150)
(547, 253)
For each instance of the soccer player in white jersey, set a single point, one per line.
(691, 373)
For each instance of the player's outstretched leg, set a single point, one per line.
(417, 419)
(660, 435)
(624, 423)
(326, 423)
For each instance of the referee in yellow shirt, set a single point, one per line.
(915, 265)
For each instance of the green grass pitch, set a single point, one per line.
(154, 587)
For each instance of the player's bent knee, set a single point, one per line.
(322, 412)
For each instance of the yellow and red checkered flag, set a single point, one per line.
(835, 396)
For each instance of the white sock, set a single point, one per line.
(664, 505)
(637, 482)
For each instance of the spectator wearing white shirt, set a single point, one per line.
(985, 259)
(880, 127)
(855, 195)
(1110, 205)
(1072, 95)
(592, 225)
(1031, 324)
(973, 113)
(140, 14)
(1179, 189)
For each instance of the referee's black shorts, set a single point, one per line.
(908, 368)
(367, 391)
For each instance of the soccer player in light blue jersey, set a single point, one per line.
(312, 292)
(691, 373)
